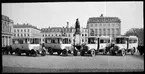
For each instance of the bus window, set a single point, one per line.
(135, 41)
(66, 41)
(120, 40)
(91, 41)
(101, 41)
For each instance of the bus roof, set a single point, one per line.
(57, 37)
(132, 37)
(121, 36)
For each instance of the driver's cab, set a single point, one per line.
(103, 41)
(132, 42)
(121, 41)
(92, 43)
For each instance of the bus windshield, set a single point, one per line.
(104, 40)
(91, 40)
(120, 40)
(25, 41)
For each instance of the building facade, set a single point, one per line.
(26, 32)
(104, 26)
(63, 31)
(7, 30)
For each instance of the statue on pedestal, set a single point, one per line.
(77, 27)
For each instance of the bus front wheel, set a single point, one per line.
(93, 52)
(64, 52)
(133, 51)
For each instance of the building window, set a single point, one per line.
(112, 30)
(28, 30)
(109, 24)
(104, 31)
(96, 25)
(113, 25)
(95, 32)
(18, 30)
(100, 32)
(45, 35)
(14, 30)
(82, 40)
(24, 30)
(92, 32)
(21, 30)
(28, 34)
(82, 34)
(21, 35)
(100, 24)
(117, 31)
(104, 24)
(91, 25)
(85, 34)
(108, 32)
(18, 35)
(56, 34)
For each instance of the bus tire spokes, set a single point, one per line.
(133, 51)
(93, 52)
(75, 52)
(122, 52)
(43, 52)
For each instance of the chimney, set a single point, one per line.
(67, 25)
(101, 15)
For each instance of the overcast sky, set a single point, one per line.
(56, 14)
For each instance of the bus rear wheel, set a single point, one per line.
(82, 53)
(50, 50)
(75, 52)
(18, 52)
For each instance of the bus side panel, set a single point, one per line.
(25, 46)
(92, 46)
(102, 45)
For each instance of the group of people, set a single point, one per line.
(7, 49)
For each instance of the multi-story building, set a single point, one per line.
(63, 31)
(84, 35)
(26, 32)
(104, 26)
(7, 26)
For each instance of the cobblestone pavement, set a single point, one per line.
(55, 63)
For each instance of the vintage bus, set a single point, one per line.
(124, 44)
(90, 47)
(104, 42)
(132, 44)
(120, 46)
(29, 46)
(58, 44)
(96, 45)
